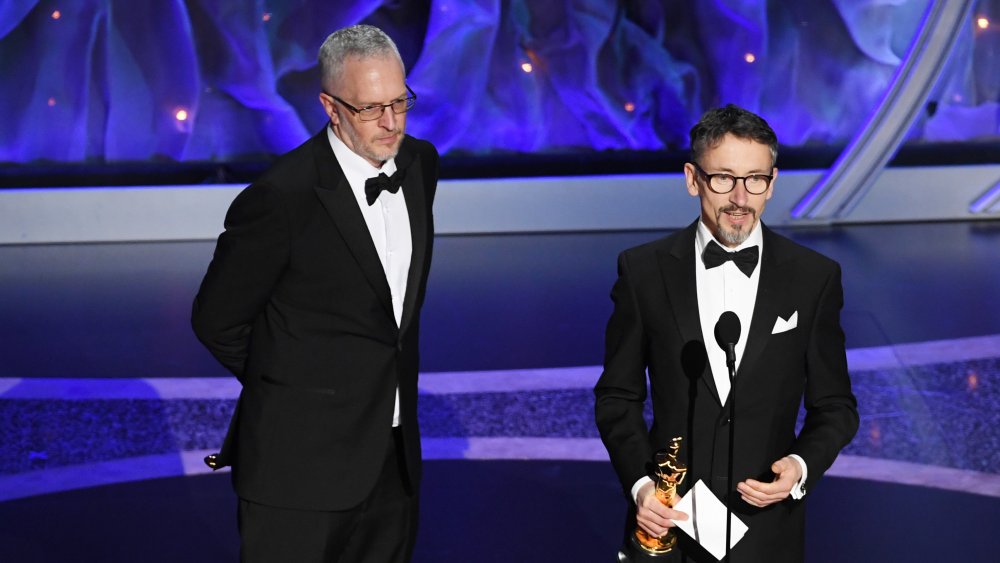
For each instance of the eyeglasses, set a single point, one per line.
(755, 184)
(375, 111)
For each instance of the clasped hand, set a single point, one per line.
(787, 472)
(652, 515)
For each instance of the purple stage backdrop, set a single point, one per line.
(219, 80)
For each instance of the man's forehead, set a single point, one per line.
(737, 150)
(369, 81)
(374, 70)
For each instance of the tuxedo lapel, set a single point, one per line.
(775, 274)
(337, 198)
(414, 193)
(677, 268)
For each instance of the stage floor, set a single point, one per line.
(107, 401)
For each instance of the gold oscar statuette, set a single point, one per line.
(669, 474)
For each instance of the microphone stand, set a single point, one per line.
(727, 334)
(731, 364)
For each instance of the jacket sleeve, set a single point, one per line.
(831, 408)
(621, 390)
(249, 258)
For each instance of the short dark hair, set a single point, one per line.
(731, 119)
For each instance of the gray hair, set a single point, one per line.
(362, 41)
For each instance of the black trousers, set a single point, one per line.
(382, 529)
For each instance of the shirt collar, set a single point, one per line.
(355, 167)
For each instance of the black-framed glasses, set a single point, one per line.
(755, 184)
(375, 111)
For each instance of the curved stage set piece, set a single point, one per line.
(107, 403)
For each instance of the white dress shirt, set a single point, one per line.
(388, 224)
(720, 289)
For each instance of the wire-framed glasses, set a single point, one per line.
(375, 111)
(755, 184)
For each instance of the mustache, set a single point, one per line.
(737, 209)
(386, 134)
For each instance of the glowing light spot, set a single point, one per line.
(972, 381)
(629, 107)
(56, 14)
(266, 17)
(875, 434)
(181, 114)
(749, 57)
(526, 67)
(982, 22)
(956, 98)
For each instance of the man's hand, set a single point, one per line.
(787, 472)
(652, 515)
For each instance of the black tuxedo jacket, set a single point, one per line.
(296, 304)
(655, 326)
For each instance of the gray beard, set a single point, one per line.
(734, 238)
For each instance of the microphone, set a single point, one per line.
(727, 334)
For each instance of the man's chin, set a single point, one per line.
(734, 237)
(385, 153)
(382, 155)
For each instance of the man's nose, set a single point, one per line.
(388, 119)
(739, 196)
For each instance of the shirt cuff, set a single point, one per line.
(799, 489)
(638, 485)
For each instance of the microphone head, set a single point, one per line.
(727, 330)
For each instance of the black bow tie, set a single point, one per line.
(745, 260)
(374, 186)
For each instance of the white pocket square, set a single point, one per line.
(781, 325)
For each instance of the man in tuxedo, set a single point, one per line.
(667, 300)
(312, 300)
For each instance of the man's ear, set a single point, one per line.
(770, 189)
(690, 180)
(329, 107)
